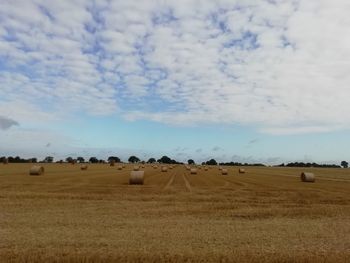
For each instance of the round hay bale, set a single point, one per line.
(84, 167)
(164, 169)
(36, 170)
(112, 163)
(193, 171)
(205, 168)
(307, 177)
(155, 167)
(224, 171)
(120, 167)
(136, 177)
(241, 171)
(220, 168)
(123, 166)
(136, 168)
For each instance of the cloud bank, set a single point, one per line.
(278, 66)
(6, 123)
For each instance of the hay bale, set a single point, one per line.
(205, 168)
(164, 169)
(224, 171)
(307, 177)
(36, 170)
(136, 177)
(155, 167)
(193, 171)
(241, 171)
(136, 168)
(220, 168)
(84, 167)
(120, 167)
(112, 163)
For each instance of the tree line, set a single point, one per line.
(164, 159)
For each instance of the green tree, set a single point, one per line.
(165, 159)
(344, 164)
(113, 158)
(80, 159)
(133, 159)
(211, 162)
(151, 160)
(190, 161)
(93, 160)
(48, 159)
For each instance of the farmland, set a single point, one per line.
(264, 215)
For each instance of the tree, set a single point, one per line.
(69, 159)
(80, 159)
(33, 160)
(190, 161)
(93, 160)
(133, 159)
(48, 159)
(151, 160)
(211, 162)
(165, 159)
(345, 164)
(113, 158)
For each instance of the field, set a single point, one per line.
(265, 215)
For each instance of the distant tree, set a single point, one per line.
(151, 160)
(165, 159)
(93, 160)
(211, 162)
(101, 161)
(69, 159)
(80, 159)
(48, 159)
(113, 158)
(190, 161)
(344, 164)
(133, 159)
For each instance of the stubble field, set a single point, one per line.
(265, 215)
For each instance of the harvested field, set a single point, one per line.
(265, 215)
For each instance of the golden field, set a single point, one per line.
(265, 215)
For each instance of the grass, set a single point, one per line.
(265, 215)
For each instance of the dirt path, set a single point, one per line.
(170, 182)
(187, 183)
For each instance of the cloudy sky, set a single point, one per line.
(237, 80)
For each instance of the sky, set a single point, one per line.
(246, 81)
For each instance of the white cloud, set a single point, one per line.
(281, 66)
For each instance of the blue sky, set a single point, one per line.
(248, 81)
